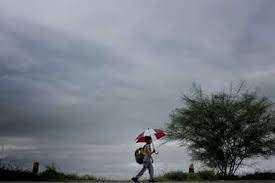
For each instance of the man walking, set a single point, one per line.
(147, 161)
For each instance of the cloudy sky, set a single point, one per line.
(80, 79)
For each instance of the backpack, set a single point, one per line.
(139, 154)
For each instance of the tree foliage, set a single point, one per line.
(225, 128)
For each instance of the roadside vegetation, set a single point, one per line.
(10, 173)
(211, 176)
(184, 176)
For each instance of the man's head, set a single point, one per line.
(148, 139)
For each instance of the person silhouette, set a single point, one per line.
(191, 168)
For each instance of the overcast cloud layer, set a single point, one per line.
(80, 79)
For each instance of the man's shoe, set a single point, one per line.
(135, 179)
(153, 180)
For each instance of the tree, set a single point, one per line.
(223, 129)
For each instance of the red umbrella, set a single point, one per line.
(157, 133)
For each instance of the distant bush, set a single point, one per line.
(9, 173)
(194, 177)
(207, 175)
(52, 174)
(175, 176)
(183, 176)
(49, 174)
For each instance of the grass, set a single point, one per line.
(11, 173)
(183, 176)
(211, 176)
(260, 176)
(49, 174)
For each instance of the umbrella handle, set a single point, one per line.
(154, 148)
(153, 144)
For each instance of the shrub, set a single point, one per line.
(175, 176)
(14, 173)
(183, 176)
(207, 175)
(51, 173)
(193, 177)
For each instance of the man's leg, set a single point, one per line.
(145, 166)
(151, 170)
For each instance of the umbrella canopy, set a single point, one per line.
(154, 133)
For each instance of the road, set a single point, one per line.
(242, 181)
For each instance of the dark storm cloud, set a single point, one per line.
(94, 74)
(51, 82)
